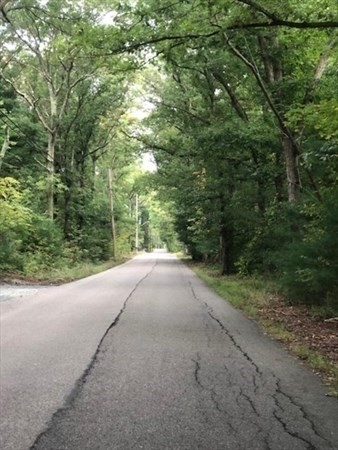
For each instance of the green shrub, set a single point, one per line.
(15, 224)
(310, 266)
(283, 224)
(45, 236)
(95, 244)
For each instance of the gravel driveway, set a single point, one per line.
(12, 291)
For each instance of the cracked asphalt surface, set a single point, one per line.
(145, 356)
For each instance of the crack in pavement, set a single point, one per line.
(264, 438)
(278, 390)
(233, 340)
(253, 380)
(235, 431)
(212, 393)
(300, 408)
(295, 435)
(227, 332)
(197, 370)
(249, 400)
(80, 382)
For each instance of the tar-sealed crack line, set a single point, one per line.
(83, 378)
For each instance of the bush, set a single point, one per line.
(29, 242)
(282, 225)
(95, 244)
(44, 236)
(310, 267)
(15, 224)
(43, 248)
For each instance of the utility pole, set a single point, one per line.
(136, 223)
(112, 216)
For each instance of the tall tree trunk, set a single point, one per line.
(94, 175)
(292, 169)
(226, 231)
(278, 177)
(5, 146)
(66, 216)
(50, 173)
(136, 222)
(112, 214)
(269, 46)
(226, 244)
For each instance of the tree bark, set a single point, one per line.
(274, 74)
(5, 146)
(67, 214)
(50, 174)
(292, 169)
(226, 244)
(112, 214)
(136, 223)
(278, 178)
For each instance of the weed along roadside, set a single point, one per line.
(306, 332)
(61, 275)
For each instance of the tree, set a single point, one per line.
(43, 65)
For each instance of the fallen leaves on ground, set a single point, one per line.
(317, 333)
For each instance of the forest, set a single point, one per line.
(236, 102)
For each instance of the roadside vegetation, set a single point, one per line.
(59, 275)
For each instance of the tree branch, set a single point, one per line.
(3, 12)
(277, 21)
(266, 94)
(218, 75)
(285, 23)
(31, 101)
(206, 122)
(324, 59)
(253, 4)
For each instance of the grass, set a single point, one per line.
(247, 294)
(66, 274)
(250, 295)
(62, 275)
(277, 330)
(320, 365)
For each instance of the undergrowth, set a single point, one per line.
(65, 274)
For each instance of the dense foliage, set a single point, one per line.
(242, 123)
(63, 111)
(245, 137)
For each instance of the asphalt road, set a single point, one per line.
(145, 356)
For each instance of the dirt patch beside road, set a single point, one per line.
(319, 334)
